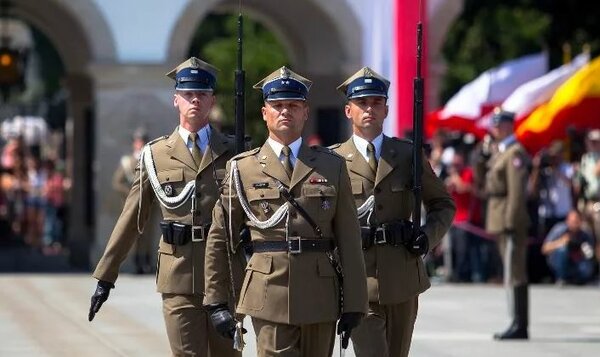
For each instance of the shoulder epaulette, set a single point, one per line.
(326, 150)
(403, 140)
(334, 146)
(157, 139)
(246, 154)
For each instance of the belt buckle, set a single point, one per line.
(202, 235)
(383, 239)
(290, 246)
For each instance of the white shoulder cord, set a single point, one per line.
(234, 175)
(366, 207)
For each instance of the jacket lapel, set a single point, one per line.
(357, 163)
(304, 164)
(179, 151)
(271, 165)
(218, 145)
(387, 160)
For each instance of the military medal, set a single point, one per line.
(264, 205)
(325, 204)
(316, 180)
(169, 189)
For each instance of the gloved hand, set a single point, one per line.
(222, 320)
(99, 297)
(348, 321)
(418, 245)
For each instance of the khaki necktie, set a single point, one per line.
(287, 163)
(371, 157)
(196, 153)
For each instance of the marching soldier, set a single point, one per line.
(180, 171)
(122, 182)
(298, 205)
(507, 218)
(380, 170)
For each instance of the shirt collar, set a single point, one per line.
(277, 146)
(203, 135)
(361, 144)
(504, 144)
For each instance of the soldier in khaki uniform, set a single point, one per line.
(507, 218)
(180, 172)
(122, 181)
(380, 170)
(290, 289)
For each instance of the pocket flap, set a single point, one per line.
(165, 248)
(318, 191)
(260, 263)
(357, 187)
(172, 175)
(256, 194)
(324, 267)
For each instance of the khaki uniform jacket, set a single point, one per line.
(124, 175)
(506, 189)
(279, 286)
(393, 274)
(180, 268)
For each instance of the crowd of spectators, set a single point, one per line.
(32, 197)
(563, 202)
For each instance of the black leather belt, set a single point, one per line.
(395, 234)
(294, 245)
(180, 234)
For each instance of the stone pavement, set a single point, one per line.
(46, 315)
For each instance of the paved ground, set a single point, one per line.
(46, 315)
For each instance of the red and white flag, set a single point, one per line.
(490, 89)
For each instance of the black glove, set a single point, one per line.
(222, 320)
(348, 321)
(418, 245)
(99, 297)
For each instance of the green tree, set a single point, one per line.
(216, 42)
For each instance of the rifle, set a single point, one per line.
(418, 88)
(240, 78)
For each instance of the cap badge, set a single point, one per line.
(285, 72)
(368, 72)
(194, 63)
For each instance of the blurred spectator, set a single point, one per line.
(54, 194)
(12, 151)
(551, 183)
(569, 251)
(588, 184)
(35, 202)
(441, 154)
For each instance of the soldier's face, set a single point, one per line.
(367, 113)
(285, 118)
(194, 106)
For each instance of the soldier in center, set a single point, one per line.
(381, 169)
(297, 202)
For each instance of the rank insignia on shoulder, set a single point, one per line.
(317, 180)
(260, 185)
(168, 189)
(325, 204)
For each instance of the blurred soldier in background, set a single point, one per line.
(507, 218)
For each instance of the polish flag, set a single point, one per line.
(487, 91)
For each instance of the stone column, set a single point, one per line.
(127, 97)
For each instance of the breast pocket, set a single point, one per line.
(357, 187)
(171, 181)
(402, 197)
(320, 201)
(263, 201)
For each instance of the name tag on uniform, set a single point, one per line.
(260, 185)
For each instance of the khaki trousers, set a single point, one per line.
(190, 330)
(387, 330)
(281, 340)
(513, 249)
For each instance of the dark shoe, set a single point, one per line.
(514, 332)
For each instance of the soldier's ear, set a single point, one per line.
(175, 100)
(347, 110)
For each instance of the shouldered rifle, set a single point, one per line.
(418, 89)
(240, 79)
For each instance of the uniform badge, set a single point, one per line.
(517, 162)
(264, 205)
(260, 185)
(325, 205)
(317, 180)
(168, 189)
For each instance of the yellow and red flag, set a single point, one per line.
(574, 104)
